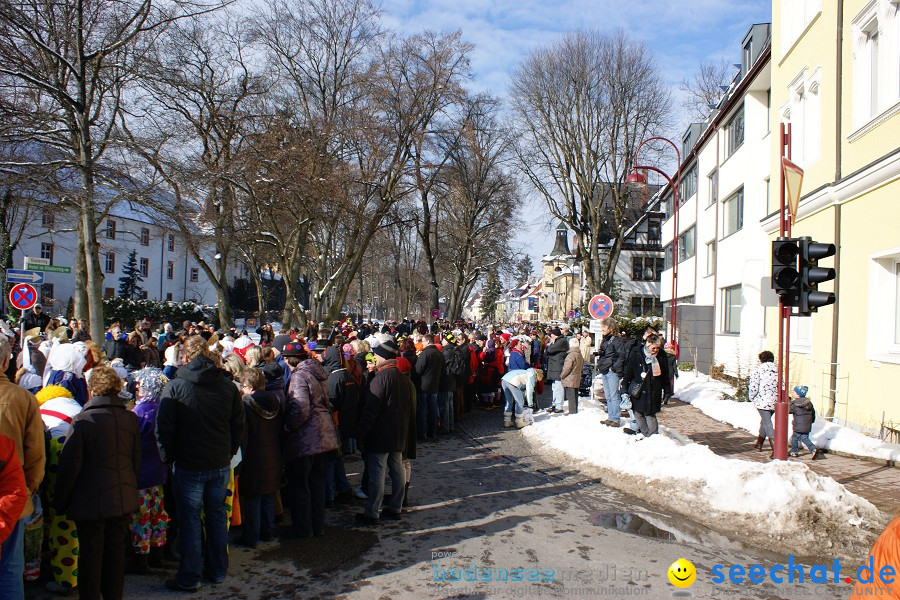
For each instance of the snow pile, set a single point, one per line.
(780, 505)
(707, 395)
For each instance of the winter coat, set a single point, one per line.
(673, 362)
(571, 372)
(612, 355)
(200, 422)
(116, 349)
(261, 447)
(763, 386)
(448, 380)
(13, 492)
(524, 380)
(274, 374)
(153, 470)
(385, 420)
(99, 463)
(586, 345)
(488, 378)
(343, 392)
(307, 420)
(409, 452)
(151, 357)
(21, 421)
(33, 320)
(649, 402)
(430, 369)
(517, 361)
(556, 356)
(804, 414)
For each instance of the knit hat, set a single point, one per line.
(555, 331)
(387, 349)
(801, 390)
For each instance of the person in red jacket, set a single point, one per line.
(13, 491)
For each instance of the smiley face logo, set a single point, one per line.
(682, 573)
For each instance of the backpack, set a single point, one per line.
(457, 364)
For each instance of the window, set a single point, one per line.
(168, 296)
(686, 244)
(770, 201)
(713, 179)
(47, 294)
(803, 113)
(646, 306)
(711, 257)
(748, 55)
(689, 184)
(731, 305)
(110, 229)
(733, 208)
(145, 236)
(171, 242)
(795, 16)
(47, 218)
(654, 231)
(142, 294)
(668, 257)
(109, 292)
(734, 132)
(195, 274)
(145, 267)
(876, 60)
(897, 305)
(110, 262)
(768, 110)
(170, 270)
(646, 268)
(47, 251)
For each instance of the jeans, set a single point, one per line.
(206, 491)
(377, 463)
(445, 402)
(613, 400)
(306, 477)
(101, 557)
(647, 424)
(427, 414)
(766, 429)
(559, 395)
(335, 477)
(257, 517)
(801, 437)
(514, 398)
(12, 563)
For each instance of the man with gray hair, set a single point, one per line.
(20, 420)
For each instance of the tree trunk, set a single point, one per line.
(81, 298)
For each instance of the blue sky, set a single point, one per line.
(681, 34)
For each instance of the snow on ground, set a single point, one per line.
(707, 395)
(780, 505)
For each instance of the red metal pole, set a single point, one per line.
(784, 325)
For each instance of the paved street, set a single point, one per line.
(486, 498)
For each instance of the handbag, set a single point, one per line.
(635, 388)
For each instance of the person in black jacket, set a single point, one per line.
(611, 365)
(97, 485)
(804, 416)
(261, 458)
(556, 356)
(37, 318)
(199, 428)
(648, 368)
(383, 433)
(343, 394)
(117, 347)
(429, 366)
(449, 381)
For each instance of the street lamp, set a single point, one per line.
(638, 178)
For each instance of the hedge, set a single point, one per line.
(128, 312)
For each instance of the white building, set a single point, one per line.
(725, 194)
(168, 270)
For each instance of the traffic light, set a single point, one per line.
(785, 274)
(811, 275)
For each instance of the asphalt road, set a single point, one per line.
(486, 502)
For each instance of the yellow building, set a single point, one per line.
(836, 80)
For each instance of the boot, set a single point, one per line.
(155, 560)
(136, 564)
(507, 419)
(406, 495)
(520, 422)
(819, 454)
(759, 442)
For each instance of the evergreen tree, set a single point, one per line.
(490, 295)
(129, 283)
(523, 269)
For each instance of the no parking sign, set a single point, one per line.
(601, 306)
(22, 296)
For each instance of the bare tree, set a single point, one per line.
(704, 89)
(64, 66)
(582, 106)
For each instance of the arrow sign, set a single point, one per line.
(600, 306)
(21, 276)
(22, 296)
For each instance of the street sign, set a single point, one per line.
(601, 306)
(571, 314)
(22, 296)
(37, 261)
(596, 326)
(33, 266)
(436, 314)
(21, 276)
(577, 315)
(552, 298)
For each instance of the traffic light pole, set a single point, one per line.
(784, 322)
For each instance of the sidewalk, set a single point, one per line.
(879, 484)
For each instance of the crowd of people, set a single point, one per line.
(150, 445)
